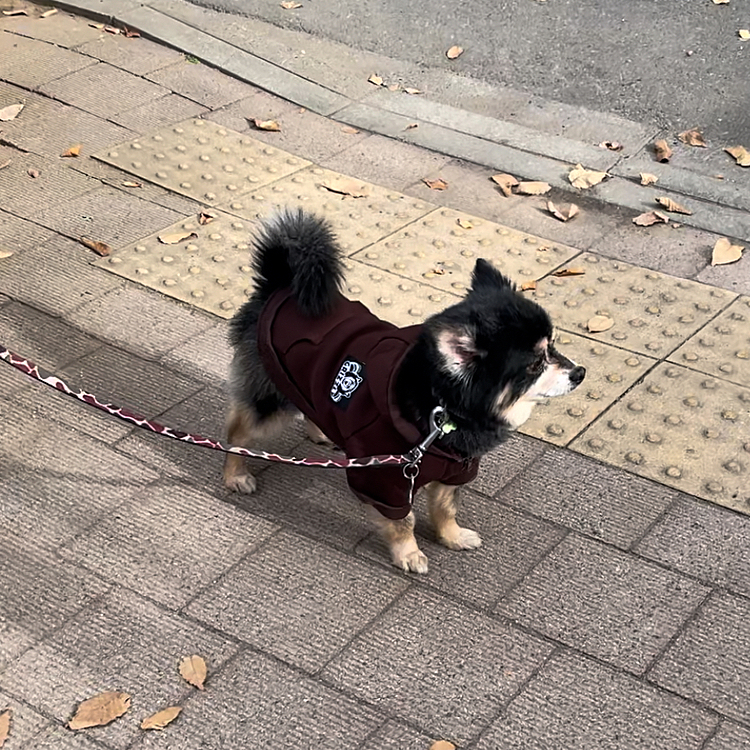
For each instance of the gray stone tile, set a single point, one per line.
(206, 356)
(159, 112)
(121, 643)
(501, 465)
(31, 63)
(729, 737)
(512, 543)
(413, 664)
(603, 602)
(25, 722)
(64, 30)
(321, 598)
(18, 235)
(140, 320)
(597, 500)
(103, 90)
(202, 84)
(395, 736)
(711, 659)
(258, 703)
(703, 540)
(58, 737)
(577, 703)
(167, 543)
(134, 54)
(39, 594)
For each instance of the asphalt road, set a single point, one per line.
(675, 64)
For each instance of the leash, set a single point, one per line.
(410, 461)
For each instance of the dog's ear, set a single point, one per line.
(486, 275)
(458, 348)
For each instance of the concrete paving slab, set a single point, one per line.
(61, 738)
(604, 603)
(63, 29)
(18, 235)
(395, 736)
(595, 500)
(258, 702)
(323, 597)
(168, 544)
(122, 642)
(653, 313)
(103, 90)
(25, 722)
(416, 648)
(498, 467)
(159, 112)
(728, 737)
(134, 54)
(714, 645)
(704, 541)
(576, 702)
(683, 429)
(206, 357)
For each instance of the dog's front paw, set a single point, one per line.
(411, 562)
(460, 538)
(242, 483)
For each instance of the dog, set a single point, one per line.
(369, 387)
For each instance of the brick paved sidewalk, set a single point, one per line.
(605, 609)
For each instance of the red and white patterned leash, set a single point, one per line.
(410, 459)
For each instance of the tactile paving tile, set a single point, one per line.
(682, 428)
(653, 313)
(439, 251)
(609, 373)
(722, 348)
(202, 160)
(357, 222)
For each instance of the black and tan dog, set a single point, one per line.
(369, 387)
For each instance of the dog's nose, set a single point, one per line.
(577, 374)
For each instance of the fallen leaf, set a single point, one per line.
(394, 87)
(5, 718)
(349, 130)
(662, 152)
(599, 323)
(99, 26)
(740, 153)
(436, 184)
(266, 125)
(585, 178)
(442, 745)
(533, 188)
(528, 286)
(161, 718)
(205, 218)
(562, 215)
(48, 13)
(673, 207)
(10, 112)
(131, 184)
(411, 126)
(290, 5)
(32, 173)
(130, 34)
(648, 179)
(72, 151)
(194, 670)
(376, 79)
(15, 13)
(5, 254)
(563, 272)
(692, 137)
(675, 225)
(454, 52)
(744, 34)
(346, 186)
(506, 183)
(650, 218)
(5, 164)
(112, 30)
(611, 145)
(725, 252)
(721, 2)
(192, 59)
(718, 176)
(413, 92)
(176, 237)
(100, 710)
(464, 224)
(100, 248)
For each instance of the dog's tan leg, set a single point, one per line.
(441, 506)
(399, 536)
(316, 434)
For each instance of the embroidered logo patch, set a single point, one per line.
(347, 381)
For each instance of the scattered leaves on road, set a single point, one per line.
(611, 145)
(411, 90)
(131, 184)
(100, 710)
(563, 215)
(15, 13)
(436, 184)
(533, 188)
(563, 272)
(291, 5)
(650, 218)
(205, 218)
(194, 670)
(10, 112)
(692, 137)
(175, 237)
(599, 323)
(271, 125)
(673, 207)
(585, 178)
(349, 130)
(725, 252)
(506, 183)
(5, 718)
(647, 178)
(5, 254)
(464, 224)
(161, 718)
(454, 52)
(48, 13)
(662, 152)
(72, 151)
(346, 186)
(740, 154)
(376, 79)
(528, 286)
(100, 248)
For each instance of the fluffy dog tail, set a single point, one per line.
(298, 250)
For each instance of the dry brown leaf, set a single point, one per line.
(100, 248)
(100, 710)
(650, 218)
(10, 112)
(131, 184)
(692, 137)
(161, 718)
(130, 34)
(194, 670)
(291, 5)
(454, 52)
(528, 286)
(174, 238)
(4, 164)
(205, 218)
(442, 745)
(563, 272)
(412, 91)
(585, 178)
(611, 145)
(533, 188)
(647, 178)
(33, 173)
(718, 176)
(744, 34)
(725, 252)
(349, 130)
(562, 215)
(740, 153)
(346, 186)
(411, 126)
(15, 13)
(436, 184)
(464, 224)
(48, 13)
(5, 253)
(112, 30)
(506, 183)
(72, 151)
(271, 125)
(673, 207)
(99, 26)
(599, 323)
(376, 79)
(662, 152)
(5, 718)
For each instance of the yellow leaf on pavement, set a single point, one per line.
(662, 152)
(648, 179)
(692, 137)
(741, 155)
(100, 248)
(650, 218)
(10, 112)
(72, 151)
(376, 79)
(173, 238)
(442, 745)
(100, 710)
(533, 188)
(454, 52)
(673, 207)
(291, 5)
(161, 718)
(528, 286)
(5, 718)
(585, 178)
(506, 183)
(347, 186)
(271, 125)
(436, 184)
(725, 252)
(563, 272)
(194, 670)
(744, 34)
(563, 215)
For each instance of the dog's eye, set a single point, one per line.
(537, 365)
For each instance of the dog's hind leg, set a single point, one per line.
(399, 536)
(441, 506)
